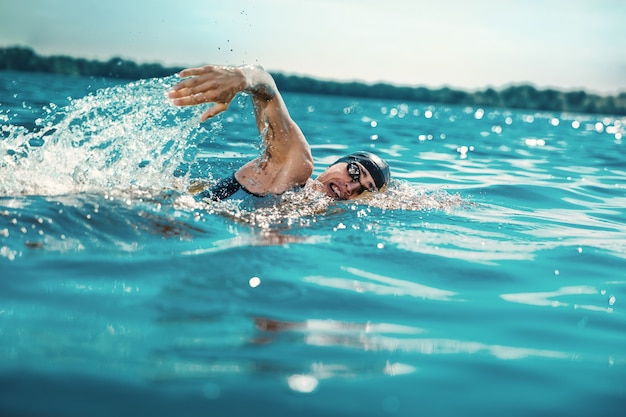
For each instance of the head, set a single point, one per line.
(348, 177)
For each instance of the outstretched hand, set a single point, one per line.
(209, 84)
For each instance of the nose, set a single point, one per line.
(352, 188)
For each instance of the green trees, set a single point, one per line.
(516, 96)
(24, 59)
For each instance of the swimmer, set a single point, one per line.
(286, 162)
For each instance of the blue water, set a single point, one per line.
(488, 279)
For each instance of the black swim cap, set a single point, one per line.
(377, 167)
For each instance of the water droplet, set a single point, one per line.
(611, 300)
(303, 383)
(254, 282)
(340, 226)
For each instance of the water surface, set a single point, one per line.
(488, 279)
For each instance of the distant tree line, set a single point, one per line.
(519, 96)
(25, 59)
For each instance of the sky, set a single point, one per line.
(464, 44)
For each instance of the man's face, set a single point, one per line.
(346, 180)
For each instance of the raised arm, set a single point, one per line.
(286, 161)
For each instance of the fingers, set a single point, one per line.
(193, 91)
(206, 84)
(192, 72)
(187, 101)
(197, 83)
(213, 111)
(184, 99)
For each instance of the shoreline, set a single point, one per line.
(523, 96)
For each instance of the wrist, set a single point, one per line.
(257, 81)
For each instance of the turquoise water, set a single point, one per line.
(488, 279)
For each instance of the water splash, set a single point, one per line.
(302, 208)
(401, 195)
(293, 208)
(119, 138)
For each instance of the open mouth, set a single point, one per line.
(333, 190)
